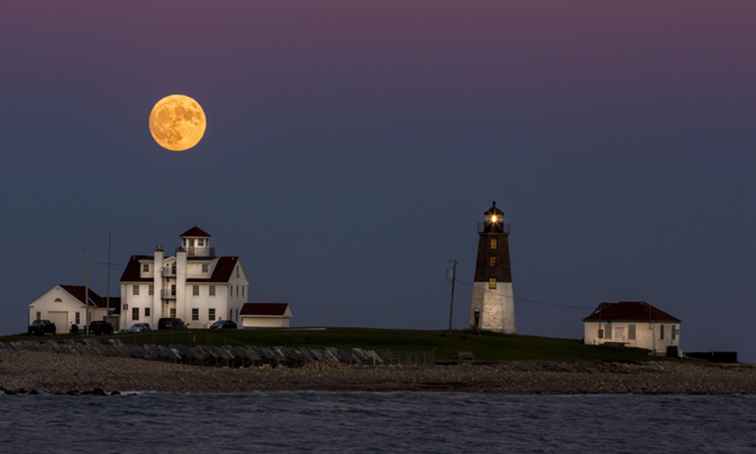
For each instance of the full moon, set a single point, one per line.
(177, 122)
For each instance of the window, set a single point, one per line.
(661, 331)
(151, 290)
(631, 332)
(173, 268)
(492, 283)
(674, 332)
(493, 244)
(195, 290)
(173, 312)
(135, 313)
(58, 300)
(146, 311)
(173, 289)
(39, 315)
(146, 267)
(211, 290)
(601, 333)
(491, 261)
(211, 314)
(205, 268)
(195, 313)
(135, 290)
(201, 242)
(78, 318)
(608, 331)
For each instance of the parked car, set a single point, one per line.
(171, 323)
(100, 327)
(224, 324)
(140, 328)
(42, 327)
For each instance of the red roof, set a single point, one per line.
(222, 271)
(629, 311)
(271, 309)
(133, 271)
(196, 231)
(80, 293)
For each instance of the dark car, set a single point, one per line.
(224, 324)
(42, 327)
(100, 327)
(171, 323)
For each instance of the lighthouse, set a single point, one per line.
(492, 306)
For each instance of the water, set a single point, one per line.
(377, 422)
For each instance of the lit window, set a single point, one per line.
(146, 267)
(195, 313)
(212, 290)
(211, 314)
(135, 290)
(492, 261)
(146, 311)
(135, 313)
(195, 290)
(205, 268)
(493, 244)
(492, 283)
(151, 290)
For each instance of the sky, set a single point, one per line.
(353, 145)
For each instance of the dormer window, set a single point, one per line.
(205, 268)
(146, 268)
(201, 242)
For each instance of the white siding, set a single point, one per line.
(648, 335)
(50, 309)
(248, 321)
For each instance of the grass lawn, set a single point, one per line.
(440, 344)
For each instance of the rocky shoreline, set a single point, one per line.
(66, 373)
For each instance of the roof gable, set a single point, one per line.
(196, 232)
(630, 311)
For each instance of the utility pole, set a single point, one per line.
(453, 279)
(109, 264)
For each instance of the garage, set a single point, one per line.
(265, 315)
(61, 321)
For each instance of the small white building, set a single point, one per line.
(67, 305)
(632, 324)
(195, 285)
(265, 315)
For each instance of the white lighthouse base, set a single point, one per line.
(493, 309)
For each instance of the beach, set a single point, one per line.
(28, 371)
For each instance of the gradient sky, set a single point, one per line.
(353, 145)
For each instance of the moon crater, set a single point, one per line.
(177, 122)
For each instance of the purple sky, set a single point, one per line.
(351, 149)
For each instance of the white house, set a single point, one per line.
(195, 285)
(67, 305)
(265, 315)
(632, 324)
